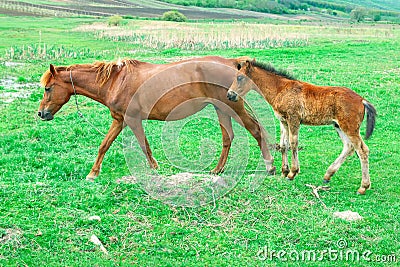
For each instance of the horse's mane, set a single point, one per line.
(268, 67)
(103, 69)
(45, 78)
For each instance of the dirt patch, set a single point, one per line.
(183, 189)
(186, 189)
(127, 180)
(11, 90)
(11, 236)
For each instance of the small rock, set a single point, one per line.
(95, 218)
(113, 239)
(347, 215)
(95, 240)
(39, 233)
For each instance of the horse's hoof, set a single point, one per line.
(216, 172)
(326, 181)
(153, 164)
(289, 179)
(90, 178)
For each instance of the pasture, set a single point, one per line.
(46, 203)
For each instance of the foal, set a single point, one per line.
(295, 102)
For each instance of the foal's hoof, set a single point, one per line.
(272, 171)
(289, 179)
(326, 181)
(361, 191)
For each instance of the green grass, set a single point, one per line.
(45, 202)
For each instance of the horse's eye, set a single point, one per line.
(240, 78)
(47, 89)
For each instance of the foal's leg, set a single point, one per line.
(363, 152)
(284, 147)
(294, 142)
(348, 149)
(115, 129)
(227, 136)
(136, 126)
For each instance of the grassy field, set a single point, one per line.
(45, 202)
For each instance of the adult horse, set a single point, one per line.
(296, 102)
(135, 91)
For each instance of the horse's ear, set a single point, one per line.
(53, 70)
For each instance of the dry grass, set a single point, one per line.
(200, 36)
(236, 35)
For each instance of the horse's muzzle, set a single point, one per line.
(232, 96)
(45, 115)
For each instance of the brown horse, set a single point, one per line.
(136, 91)
(295, 102)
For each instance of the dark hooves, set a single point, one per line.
(326, 181)
(213, 172)
(289, 179)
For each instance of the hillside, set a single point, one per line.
(143, 9)
(290, 5)
(209, 9)
(373, 9)
(390, 5)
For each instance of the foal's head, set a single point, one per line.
(56, 94)
(242, 84)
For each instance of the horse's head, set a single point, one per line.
(56, 94)
(242, 84)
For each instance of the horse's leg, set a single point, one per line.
(348, 149)
(255, 130)
(294, 142)
(284, 147)
(227, 136)
(363, 152)
(137, 128)
(115, 129)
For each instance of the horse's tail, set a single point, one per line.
(371, 114)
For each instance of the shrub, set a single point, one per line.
(114, 20)
(174, 16)
(377, 17)
(358, 14)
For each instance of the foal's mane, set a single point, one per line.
(103, 69)
(268, 67)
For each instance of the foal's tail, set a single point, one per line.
(371, 114)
